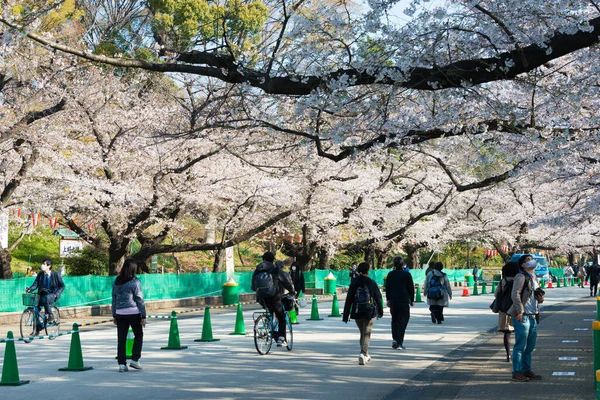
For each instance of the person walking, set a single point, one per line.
(568, 273)
(363, 304)
(475, 274)
(437, 282)
(592, 276)
(297, 278)
(509, 271)
(526, 296)
(128, 310)
(400, 293)
(581, 274)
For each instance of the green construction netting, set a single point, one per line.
(95, 290)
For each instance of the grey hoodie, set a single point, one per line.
(128, 294)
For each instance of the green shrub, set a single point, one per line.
(87, 261)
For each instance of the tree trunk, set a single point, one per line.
(5, 259)
(219, 260)
(369, 255)
(324, 257)
(117, 252)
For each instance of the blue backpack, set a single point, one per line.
(436, 290)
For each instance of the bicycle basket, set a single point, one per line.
(30, 299)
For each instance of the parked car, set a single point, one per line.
(542, 270)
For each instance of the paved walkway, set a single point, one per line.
(461, 359)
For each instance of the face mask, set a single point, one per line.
(44, 267)
(293, 268)
(531, 264)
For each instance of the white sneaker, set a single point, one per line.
(281, 341)
(135, 364)
(362, 360)
(367, 358)
(123, 368)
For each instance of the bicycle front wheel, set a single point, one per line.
(262, 335)
(27, 324)
(53, 328)
(289, 334)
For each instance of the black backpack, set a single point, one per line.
(436, 290)
(504, 301)
(264, 285)
(363, 301)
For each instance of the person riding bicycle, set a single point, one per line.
(49, 285)
(268, 282)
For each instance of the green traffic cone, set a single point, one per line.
(418, 298)
(483, 288)
(557, 282)
(543, 284)
(493, 286)
(475, 290)
(129, 344)
(174, 342)
(240, 328)
(300, 295)
(314, 314)
(335, 309)
(293, 317)
(207, 335)
(75, 354)
(10, 369)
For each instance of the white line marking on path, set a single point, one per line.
(570, 341)
(580, 329)
(563, 374)
(568, 358)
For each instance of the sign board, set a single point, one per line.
(67, 247)
(229, 262)
(4, 229)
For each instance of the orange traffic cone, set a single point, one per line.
(465, 290)
(550, 284)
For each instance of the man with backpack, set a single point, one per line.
(363, 304)
(438, 291)
(400, 293)
(268, 283)
(526, 296)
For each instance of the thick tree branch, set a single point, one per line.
(504, 66)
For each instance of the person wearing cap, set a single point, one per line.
(526, 296)
(400, 293)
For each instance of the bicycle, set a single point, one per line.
(266, 328)
(34, 318)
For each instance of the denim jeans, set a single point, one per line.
(525, 339)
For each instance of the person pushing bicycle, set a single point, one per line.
(49, 285)
(268, 281)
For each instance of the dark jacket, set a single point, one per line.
(56, 284)
(399, 287)
(593, 274)
(279, 280)
(377, 310)
(298, 279)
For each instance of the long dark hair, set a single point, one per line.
(127, 272)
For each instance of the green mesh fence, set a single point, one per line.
(96, 290)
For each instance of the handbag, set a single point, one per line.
(494, 306)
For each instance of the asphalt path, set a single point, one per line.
(322, 365)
